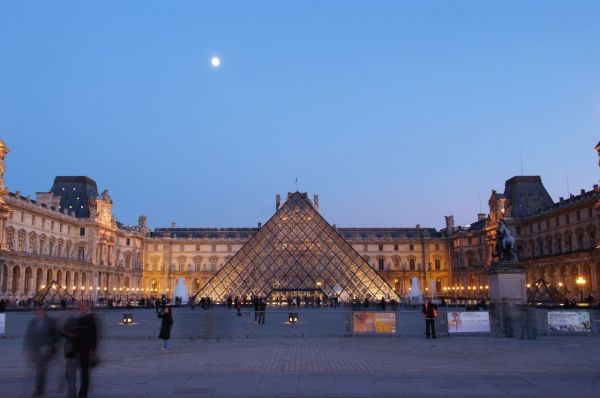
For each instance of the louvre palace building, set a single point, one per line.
(69, 235)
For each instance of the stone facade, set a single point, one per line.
(70, 235)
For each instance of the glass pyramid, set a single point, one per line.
(297, 250)
(53, 294)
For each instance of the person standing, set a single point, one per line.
(262, 308)
(382, 303)
(430, 313)
(238, 306)
(507, 311)
(86, 344)
(165, 326)
(40, 345)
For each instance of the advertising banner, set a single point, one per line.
(468, 322)
(2, 323)
(569, 321)
(374, 322)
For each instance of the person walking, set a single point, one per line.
(430, 313)
(165, 326)
(68, 332)
(86, 344)
(39, 344)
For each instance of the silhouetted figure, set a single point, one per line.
(507, 318)
(69, 333)
(86, 343)
(165, 326)
(39, 344)
(382, 304)
(430, 313)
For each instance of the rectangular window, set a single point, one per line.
(32, 220)
(81, 231)
(381, 264)
(22, 216)
(181, 248)
(197, 248)
(43, 223)
(365, 248)
(557, 221)
(567, 218)
(229, 248)
(80, 253)
(127, 242)
(411, 247)
(380, 247)
(470, 241)
(213, 248)
(155, 247)
(411, 264)
(396, 247)
(437, 246)
(397, 263)
(590, 211)
(438, 264)
(578, 215)
(547, 224)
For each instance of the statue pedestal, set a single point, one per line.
(508, 280)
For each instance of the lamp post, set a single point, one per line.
(114, 293)
(580, 282)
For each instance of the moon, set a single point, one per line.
(215, 62)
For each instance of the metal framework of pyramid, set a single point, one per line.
(542, 292)
(297, 250)
(53, 294)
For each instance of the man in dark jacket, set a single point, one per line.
(430, 313)
(86, 343)
(40, 345)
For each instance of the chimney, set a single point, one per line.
(582, 191)
(316, 200)
(450, 223)
(595, 186)
(277, 202)
(480, 216)
(418, 226)
(259, 225)
(560, 199)
(142, 221)
(173, 224)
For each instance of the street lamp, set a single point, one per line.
(580, 282)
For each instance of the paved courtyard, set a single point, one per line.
(331, 367)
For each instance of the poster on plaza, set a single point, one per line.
(468, 322)
(569, 321)
(374, 322)
(2, 323)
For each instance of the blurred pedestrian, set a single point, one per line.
(165, 326)
(86, 344)
(2, 306)
(39, 344)
(507, 317)
(430, 313)
(262, 308)
(68, 332)
(382, 303)
(238, 306)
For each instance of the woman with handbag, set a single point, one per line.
(165, 326)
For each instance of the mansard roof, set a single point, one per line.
(527, 195)
(75, 193)
(387, 233)
(210, 233)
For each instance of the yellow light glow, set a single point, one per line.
(580, 281)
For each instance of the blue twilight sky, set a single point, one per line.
(396, 113)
